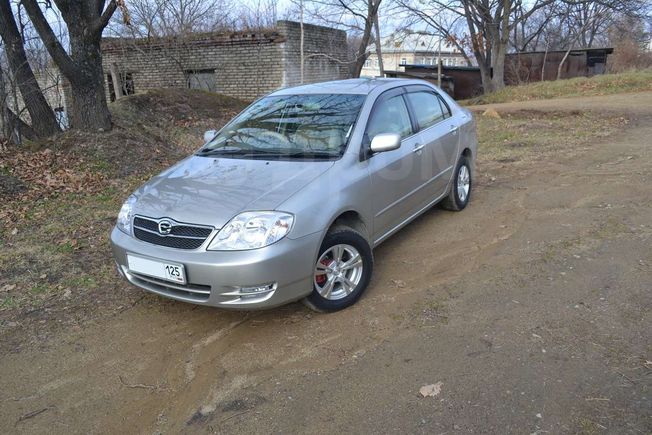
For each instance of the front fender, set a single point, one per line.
(344, 188)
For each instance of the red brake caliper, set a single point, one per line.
(321, 279)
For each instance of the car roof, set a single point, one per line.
(363, 86)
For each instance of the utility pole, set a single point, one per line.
(379, 52)
(301, 42)
(439, 63)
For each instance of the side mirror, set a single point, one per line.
(385, 142)
(209, 135)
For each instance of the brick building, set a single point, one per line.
(245, 65)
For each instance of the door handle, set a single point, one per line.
(418, 148)
(454, 129)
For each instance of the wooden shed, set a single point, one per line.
(535, 66)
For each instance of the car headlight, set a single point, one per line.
(125, 215)
(251, 230)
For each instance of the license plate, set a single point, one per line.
(158, 269)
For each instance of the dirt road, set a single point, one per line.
(531, 307)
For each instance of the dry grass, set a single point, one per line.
(630, 81)
(529, 135)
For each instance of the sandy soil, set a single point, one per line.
(531, 307)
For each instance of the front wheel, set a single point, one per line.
(342, 271)
(460, 191)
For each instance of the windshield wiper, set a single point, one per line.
(223, 150)
(303, 154)
(272, 153)
(280, 154)
(315, 154)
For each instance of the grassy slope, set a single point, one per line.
(632, 81)
(55, 262)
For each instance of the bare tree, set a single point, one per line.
(159, 18)
(580, 23)
(583, 20)
(445, 25)
(492, 23)
(584, 24)
(5, 126)
(355, 16)
(256, 15)
(14, 128)
(82, 66)
(489, 25)
(44, 122)
(631, 42)
(530, 33)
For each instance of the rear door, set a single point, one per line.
(439, 133)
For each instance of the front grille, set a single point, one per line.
(194, 292)
(181, 236)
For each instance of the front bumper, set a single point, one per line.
(215, 278)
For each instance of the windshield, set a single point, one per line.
(292, 126)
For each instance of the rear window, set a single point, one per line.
(427, 107)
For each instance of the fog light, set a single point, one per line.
(258, 289)
(253, 294)
(120, 270)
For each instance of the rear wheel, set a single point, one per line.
(342, 271)
(460, 191)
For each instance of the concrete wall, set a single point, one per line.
(246, 65)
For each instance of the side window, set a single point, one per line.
(389, 116)
(427, 108)
(444, 107)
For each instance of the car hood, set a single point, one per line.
(211, 191)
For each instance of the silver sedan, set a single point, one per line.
(288, 200)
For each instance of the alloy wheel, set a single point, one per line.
(338, 272)
(463, 183)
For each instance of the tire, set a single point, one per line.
(346, 242)
(457, 200)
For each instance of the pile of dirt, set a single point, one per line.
(177, 106)
(150, 129)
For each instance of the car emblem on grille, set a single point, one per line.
(164, 227)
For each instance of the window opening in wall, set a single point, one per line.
(128, 88)
(203, 79)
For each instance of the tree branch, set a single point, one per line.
(52, 44)
(103, 20)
